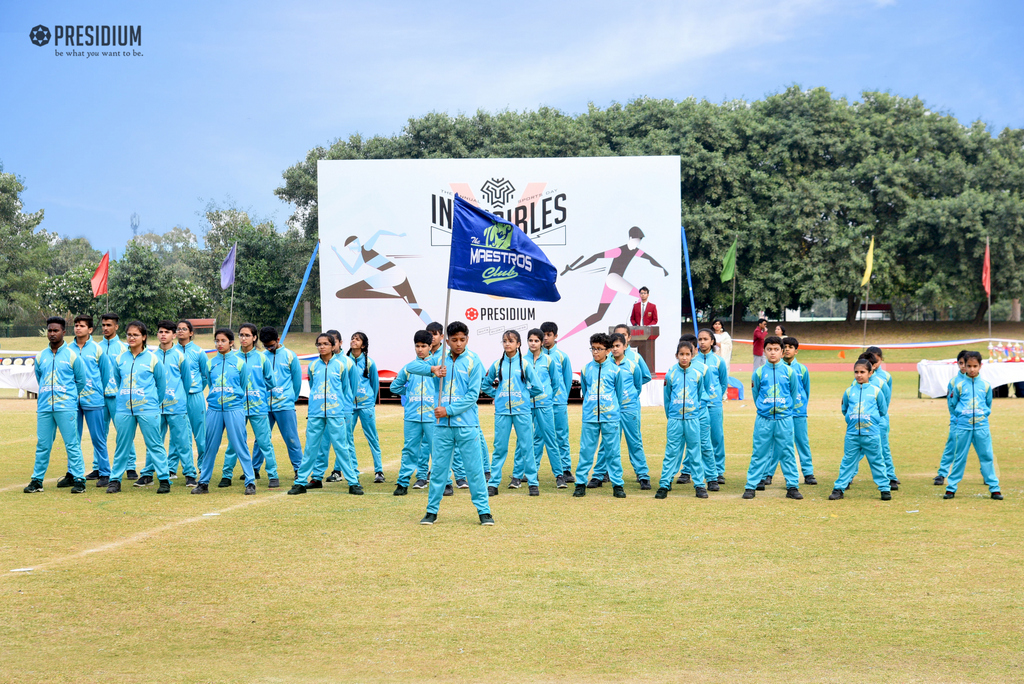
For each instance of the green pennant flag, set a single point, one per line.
(729, 263)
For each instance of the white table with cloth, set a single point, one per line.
(935, 375)
(19, 378)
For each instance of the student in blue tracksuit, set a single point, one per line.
(864, 406)
(257, 407)
(971, 404)
(602, 386)
(333, 384)
(173, 408)
(458, 424)
(92, 409)
(686, 387)
(560, 398)
(327, 444)
(629, 419)
(512, 382)
(718, 373)
(199, 370)
(790, 347)
(141, 388)
(419, 398)
(632, 354)
(112, 345)
(946, 462)
(436, 331)
(775, 386)
(282, 395)
(880, 375)
(60, 375)
(366, 402)
(229, 378)
(707, 450)
(544, 435)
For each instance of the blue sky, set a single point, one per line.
(225, 96)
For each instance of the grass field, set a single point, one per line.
(329, 587)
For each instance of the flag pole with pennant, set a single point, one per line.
(866, 280)
(729, 273)
(986, 282)
(227, 279)
(100, 278)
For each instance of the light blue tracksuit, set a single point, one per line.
(281, 398)
(884, 377)
(92, 408)
(199, 370)
(141, 387)
(775, 388)
(946, 462)
(803, 443)
(365, 410)
(560, 387)
(685, 392)
(229, 378)
(332, 395)
(970, 403)
(460, 390)
(602, 386)
(419, 367)
(864, 406)
(718, 373)
(419, 397)
(174, 412)
(61, 377)
(516, 382)
(257, 408)
(706, 452)
(111, 348)
(544, 434)
(629, 419)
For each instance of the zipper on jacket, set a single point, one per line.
(131, 383)
(599, 392)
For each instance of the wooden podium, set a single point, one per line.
(642, 339)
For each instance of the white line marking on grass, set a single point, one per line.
(22, 570)
(51, 481)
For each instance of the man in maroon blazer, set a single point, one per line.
(644, 313)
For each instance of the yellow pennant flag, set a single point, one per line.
(870, 263)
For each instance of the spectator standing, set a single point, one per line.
(724, 342)
(759, 334)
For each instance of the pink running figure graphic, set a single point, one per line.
(614, 282)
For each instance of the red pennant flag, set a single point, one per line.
(99, 278)
(986, 272)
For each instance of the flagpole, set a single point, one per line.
(444, 338)
(732, 316)
(231, 310)
(867, 305)
(987, 253)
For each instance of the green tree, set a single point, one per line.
(70, 292)
(22, 254)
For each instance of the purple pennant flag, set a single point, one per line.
(227, 269)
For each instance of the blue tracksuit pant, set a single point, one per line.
(610, 451)
(561, 416)
(803, 449)
(855, 448)
(47, 424)
(288, 426)
(890, 469)
(96, 419)
(111, 404)
(179, 448)
(630, 425)
(149, 425)
(320, 430)
(706, 451)
(217, 422)
(368, 417)
(196, 409)
(982, 441)
(261, 434)
(467, 440)
(415, 451)
(717, 417)
(459, 468)
(682, 435)
(544, 436)
(524, 460)
(773, 437)
(948, 453)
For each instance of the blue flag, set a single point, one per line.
(227, 269)
(491, 256)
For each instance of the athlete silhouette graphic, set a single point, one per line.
(388, 276)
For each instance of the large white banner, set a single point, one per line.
(610, 225)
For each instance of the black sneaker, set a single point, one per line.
(273, 483)
(224, 482)
(296, 489)
(34, 487)
(315, 484)
(534, 490)
(886, 496)
(894, 485)
(835, 495)
(131, 475)
(190, 481)
(335, 476)
(250, 489)
(948, 495)
(420, 484)
(713, 486)
(760, 485)
(662, 493)
(998, 496)
(492, 491)
(515, 483)
(580, 490)
(400, 490)
(487, 476)
(618, 492)
(103, 481)
(595, 483)
(378, 478)
(767, 479)
(748, 494)
(896, 480)
(568, 477)
(164, 488)
(794, 493)
(94, 475)
(721, 479)
(355, 490)
(939, 481)
(429, 519)
(147, 480)
(449, 490)
(700, 492)
(65, 481)
(201, 488)
(560, 482)
(486, 519)
(461, 483)
(606, 478)
(645, 485)
(810, 480)
(114, 487)
(684, 478)
(78, 487)
(256, 473)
